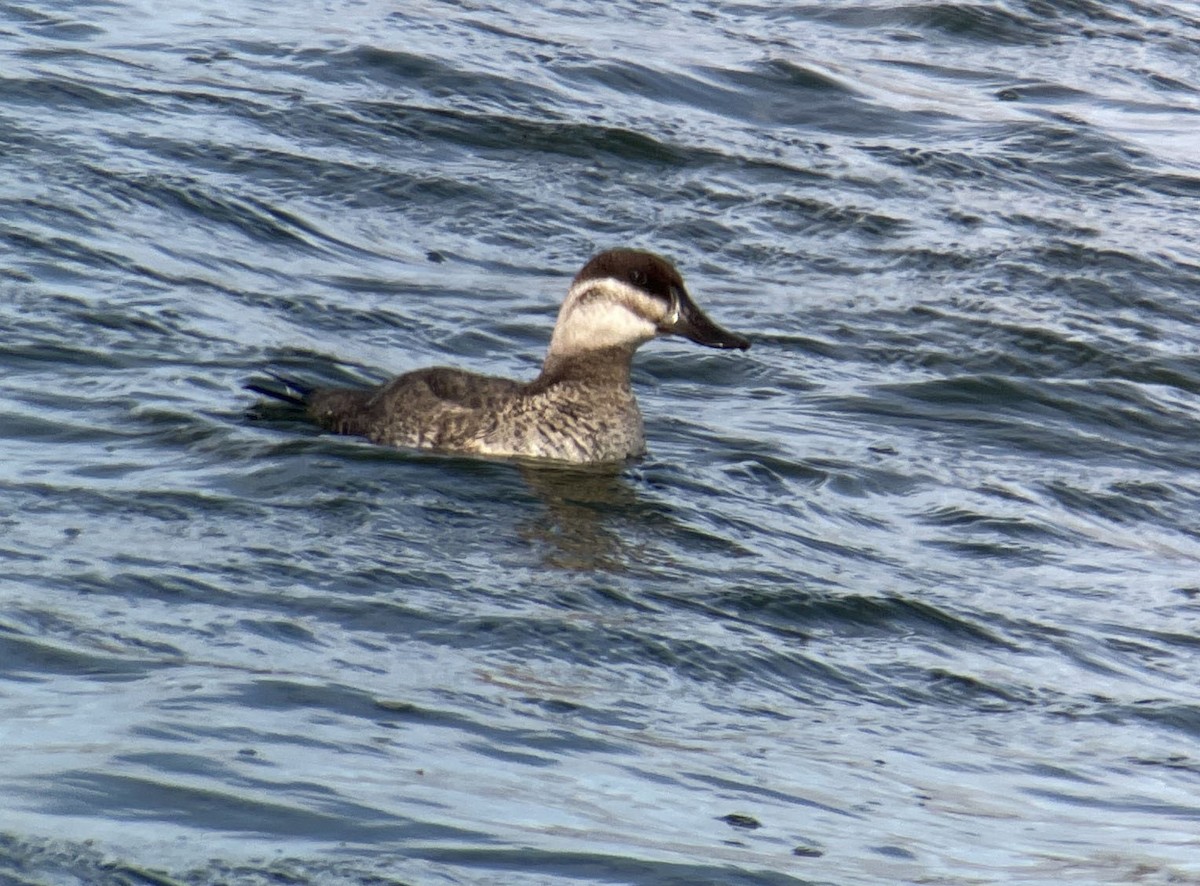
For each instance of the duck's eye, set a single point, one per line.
(637, 278)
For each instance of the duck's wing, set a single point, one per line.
(453, 387)
(428, 408)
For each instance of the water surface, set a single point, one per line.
(906, 593)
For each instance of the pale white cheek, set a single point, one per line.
(600, 324)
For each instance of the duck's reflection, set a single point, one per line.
(577, 530)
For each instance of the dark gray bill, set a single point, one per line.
(691, 322)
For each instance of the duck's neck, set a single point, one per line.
(601, 367)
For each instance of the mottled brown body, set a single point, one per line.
(581, 408)
(584, 412)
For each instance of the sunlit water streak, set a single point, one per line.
(906, 593)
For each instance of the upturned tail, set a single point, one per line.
(284, 389)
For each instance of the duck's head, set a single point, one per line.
(624, 297)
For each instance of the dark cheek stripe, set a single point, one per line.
(597, 293)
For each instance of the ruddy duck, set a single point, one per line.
(581, 407)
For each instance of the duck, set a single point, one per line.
(580, 409)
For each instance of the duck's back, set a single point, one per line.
(456, 411)
(420, 408)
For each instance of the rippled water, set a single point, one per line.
(907, 593)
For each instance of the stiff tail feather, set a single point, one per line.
(292, 392)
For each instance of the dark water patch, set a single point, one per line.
(210, 586)
(433, 79)
(358, 183)
(640, 81)
(539, 747)
(954, 166)
(780, 93)
(984, 550)
(67, 861)
(192, 733)
(1174, 184)
(813, 216)
(36, 248)
(1175, 762)
(952, 22)
(595, 867)
(1057, 154)
(1127, 804)
(189, 765)
(13, 554)
(244, 214)
(34, 862)
(799, 623)
(281, 631)
(508, 134)
(40, 211)
(955, 691)
(149, 586)
(862, 481)
(1162, 645)
(712, 539)
(69, 95)
(765, 792)
(611, 645)
(40, 23)
(808, 681)
(37, 658)
(777, 93)
(1075, 156)
(1184, 718)
(121, 342)
(603, 720)
(294, 119)
(1099, 421)
(31, 622)
(772, 475)
(333, 323)
(1072, 257)
(33, 427)
(863, 617)
(987, 342)
(160, 505)
(344, 701)
(1119, 502)
(1167, 83)
(988, 535)
(1060, 773)
(132, 798)
(512, 34)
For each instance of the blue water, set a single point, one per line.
(907, 593)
